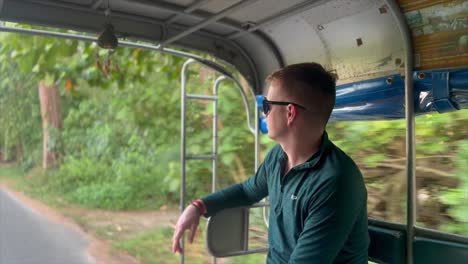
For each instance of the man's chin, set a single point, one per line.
(271, 136)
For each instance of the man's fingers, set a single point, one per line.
(188, 220)
(175, 247)
(193, 231)
(176, 240)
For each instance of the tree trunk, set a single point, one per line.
(51, 123)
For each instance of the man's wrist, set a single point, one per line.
(200, 206)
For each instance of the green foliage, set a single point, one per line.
(372, 160)
(354, 137)
(379, 149)
(109, 135)
(19, 110)
(154, 247)
(111, 195)
(121, 128)
(108, 147)
(457, 198)
(77, 172)
(10, 171)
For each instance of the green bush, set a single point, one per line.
(78, 172)
(134, 180)
(112, 195)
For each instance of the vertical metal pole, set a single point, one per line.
(215, 147)
(215, 138)
(215, 131)
(410, 131)
(183, 144)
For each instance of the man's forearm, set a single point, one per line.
(232, 196)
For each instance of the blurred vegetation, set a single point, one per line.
(121, 135)
(121, 140)
(441, 168)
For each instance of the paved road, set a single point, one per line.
(29, 238)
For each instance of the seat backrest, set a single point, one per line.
(227, 232)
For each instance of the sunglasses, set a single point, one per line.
(267, 105)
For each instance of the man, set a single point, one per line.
(318, 200)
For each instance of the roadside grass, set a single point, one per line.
(150, 246)
(33, 183)
(10, 171)
(155, 245)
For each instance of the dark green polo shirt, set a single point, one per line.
(318, 210)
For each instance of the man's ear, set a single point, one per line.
(292, 113)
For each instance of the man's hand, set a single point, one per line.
(188, 220)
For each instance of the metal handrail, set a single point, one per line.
(410, 128)
(183, 143)
(215, 133)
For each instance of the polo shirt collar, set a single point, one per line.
(315, 158)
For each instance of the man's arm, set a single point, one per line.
(250, 191)
(246, 193)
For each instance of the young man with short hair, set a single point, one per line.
(318, 200)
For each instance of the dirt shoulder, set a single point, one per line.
(88, 222)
